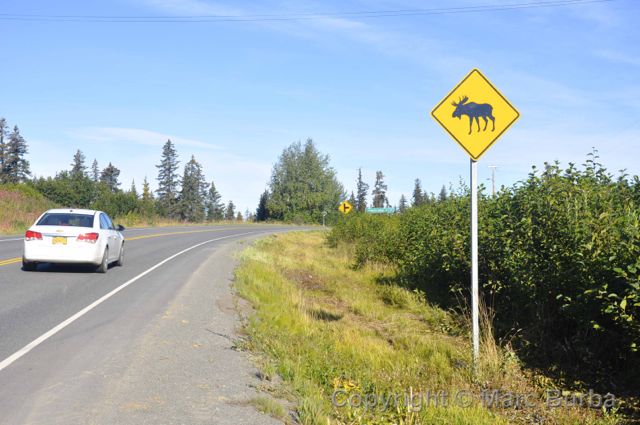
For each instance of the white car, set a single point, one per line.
(73, 236)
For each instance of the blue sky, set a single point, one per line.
(234, 94)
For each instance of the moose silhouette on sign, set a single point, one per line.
(474, 111)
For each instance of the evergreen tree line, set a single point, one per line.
(189, 197)
(186, 197)
(379, 194)
(303, 186)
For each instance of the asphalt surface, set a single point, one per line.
(157, 351)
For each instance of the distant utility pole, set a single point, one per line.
(493, 180)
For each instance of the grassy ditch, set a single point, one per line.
(331, 331)
(20, 205)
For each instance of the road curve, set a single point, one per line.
(77, 320)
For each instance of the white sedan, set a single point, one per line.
(73, 236)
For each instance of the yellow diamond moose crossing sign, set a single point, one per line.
(475, 114)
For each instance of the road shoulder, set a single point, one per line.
(186, 368)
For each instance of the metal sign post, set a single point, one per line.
(475, 323)
(476, 99)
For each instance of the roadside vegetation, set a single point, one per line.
(179, 198)
(332, 330)
(559, 268)
(303, 188)
(20, 205)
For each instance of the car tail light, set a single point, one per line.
(30, 235)
(88, 237)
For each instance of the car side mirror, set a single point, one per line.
(120, 228)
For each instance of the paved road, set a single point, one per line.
(110, 364)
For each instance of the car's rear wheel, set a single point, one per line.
(120, 261)
(104, 265)
(28, 266)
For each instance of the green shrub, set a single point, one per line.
(376, 235)
(559, 262)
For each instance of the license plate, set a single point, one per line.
(59, 240)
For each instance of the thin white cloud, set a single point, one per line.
(547, 91)
(339, 24)
(603, 15)
(424, 51)
(617, 149)
(428, 52)
(191, 7)
(135, 135)
(618, 57)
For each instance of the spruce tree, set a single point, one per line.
(15, 166)
(168, 181)
(361, 193)
(239, 217)
(418, 194)
(147, 202)
(402, 205)
(147, 195)
(214, 205)
(109, 177)
(262, 213)
(3, 147)
(194, 190)
(353, 201)
(443, 194)
(83, 189)
(95, 171)
(133, 190)
(78, 169)
(380, 191)
(230, 211)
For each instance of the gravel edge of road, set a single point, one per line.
(191, 351)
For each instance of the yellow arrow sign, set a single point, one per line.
(345, 207)
(475, 114)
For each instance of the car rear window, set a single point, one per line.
(66, 219)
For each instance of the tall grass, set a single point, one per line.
(20, 205)
(328, 328)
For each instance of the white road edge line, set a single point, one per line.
(9, 240)
(42, 338)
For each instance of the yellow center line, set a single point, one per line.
(10, 261)
(155, 235)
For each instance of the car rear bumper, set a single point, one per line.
(89, 254)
